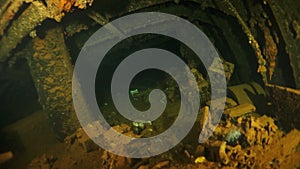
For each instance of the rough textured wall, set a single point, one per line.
(285, 105)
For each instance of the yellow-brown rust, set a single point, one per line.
(252, 41)
(7, 13)
(33, 16)
(30, 18)
(270, 49)
(52, 70)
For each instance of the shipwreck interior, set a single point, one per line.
(258, 43)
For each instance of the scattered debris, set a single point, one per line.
(240, 110)
(139, 127)
(6, 156)
(115, 162)
(161, 164)
(244, 141)
(200, 159)
(233, 136)
(42, 162)
(83, 139)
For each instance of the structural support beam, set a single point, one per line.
(30, 18)
(33, 16)
(52, 71)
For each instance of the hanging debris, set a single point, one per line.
(227, 7)
(270, 50)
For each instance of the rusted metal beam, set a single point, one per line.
(7, 13)
(52, 70)
(35, 14)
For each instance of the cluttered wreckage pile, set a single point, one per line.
(243, 139)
